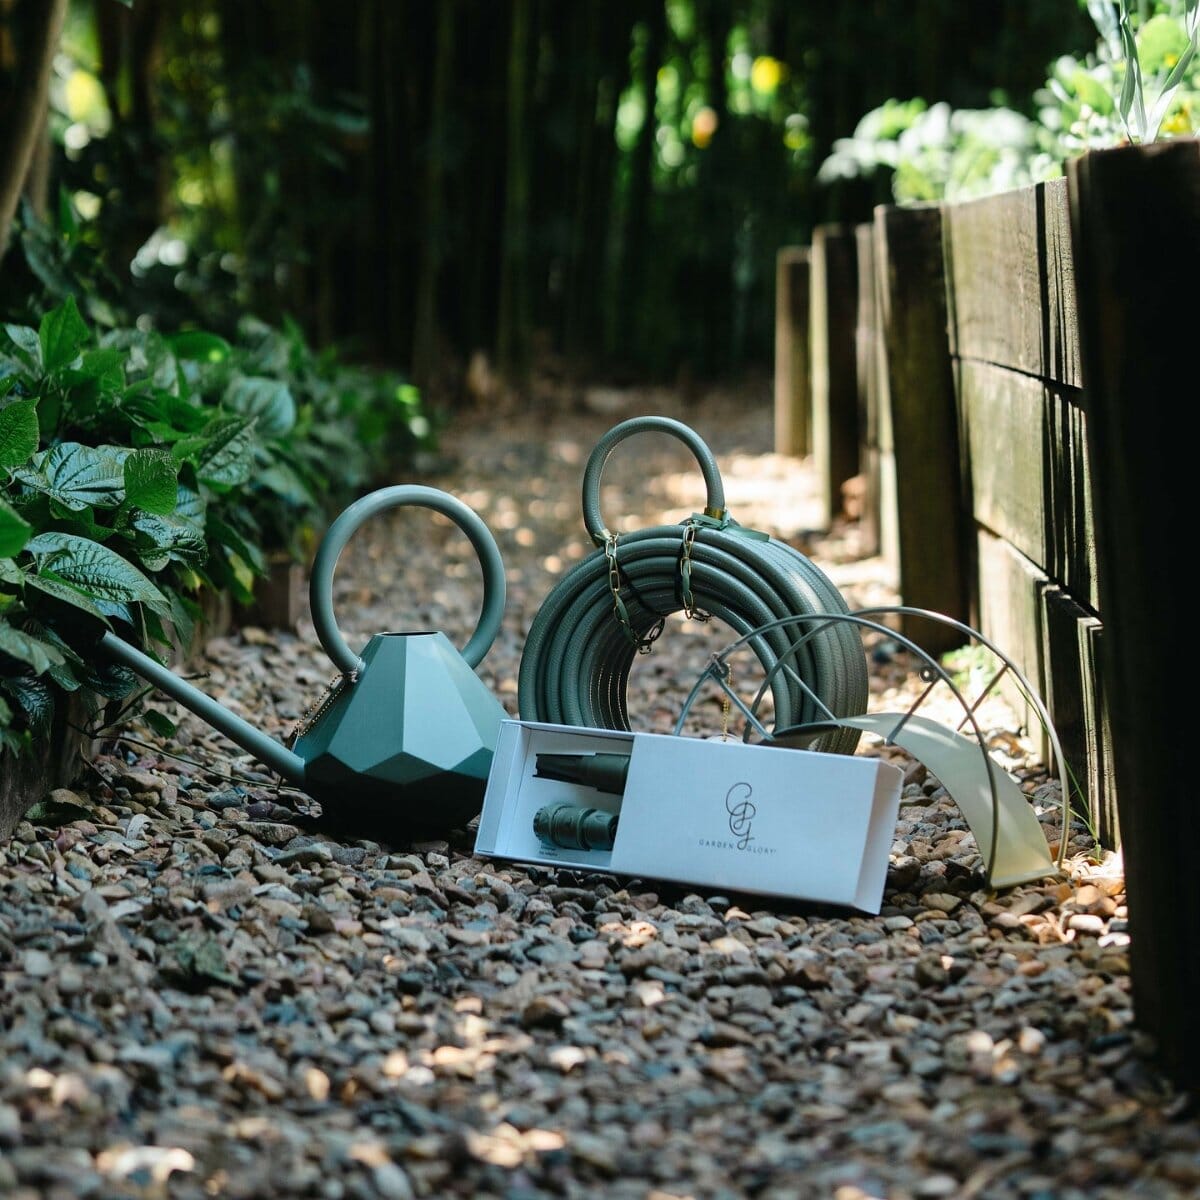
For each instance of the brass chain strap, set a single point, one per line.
(685, 576)
(643, 644)
(313, 713)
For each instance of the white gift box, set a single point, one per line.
(722, 814)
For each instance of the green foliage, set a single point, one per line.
(137, 469)
(1142, 82)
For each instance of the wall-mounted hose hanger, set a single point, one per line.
(613, 605)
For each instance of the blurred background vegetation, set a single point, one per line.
(596, 185)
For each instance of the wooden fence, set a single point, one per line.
(1018, 363)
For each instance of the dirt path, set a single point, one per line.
(199, 999)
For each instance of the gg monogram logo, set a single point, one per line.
(741, 813)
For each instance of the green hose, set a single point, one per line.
(583, 641)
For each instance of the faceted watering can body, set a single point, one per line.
(383, 741)
(402, 745)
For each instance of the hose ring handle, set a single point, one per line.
(593, 521)
(320, 588)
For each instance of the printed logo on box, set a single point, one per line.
(741, 811)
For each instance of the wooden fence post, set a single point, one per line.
(833, 314)
(877, 467)
(1135, 225)
(917, 390)
(793, 396)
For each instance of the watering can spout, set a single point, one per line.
(276, 756)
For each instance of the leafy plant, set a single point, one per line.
(1154, 61)
(1141, 83)
(137, 469)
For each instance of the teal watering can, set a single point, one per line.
(402, 744)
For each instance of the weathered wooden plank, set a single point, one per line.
(1010, 280)
(869, 355)
(1135, 223)
(1024, 457)
(1052, 639)
(833, 312)
(793, 401)
(916, 386)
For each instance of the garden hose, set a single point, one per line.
(611, 606)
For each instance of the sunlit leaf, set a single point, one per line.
(150, 481)
(62, 334)
(18, 433)
(14, 530)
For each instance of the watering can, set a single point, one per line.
(402, 744)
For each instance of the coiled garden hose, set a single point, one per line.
(587, 633)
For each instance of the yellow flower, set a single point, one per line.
(767, 74)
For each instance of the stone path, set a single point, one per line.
(198, 998)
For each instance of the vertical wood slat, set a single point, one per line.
(876, 466)
(793, 398)
(1012, 294)
(1055, 643)
(917, 389)
(833, 313)
(1135, 225)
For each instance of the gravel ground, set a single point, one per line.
(199, 998)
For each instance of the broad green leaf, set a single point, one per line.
(190, 507)
(62, 673)
(159, 722)
(230, 539)
(62, 334)
(161, 540)
(109, 679)
(14, 530)
(25, 648)
(150, 481)
(10, 572)
(79, 477)
(35, 698)
(222, 452)
(26, 341)
(269, 400)
(102, 573)
(195, 345)
(18, 433)
(51, 585)
(107, 367)
(285, 483)
(6, 713)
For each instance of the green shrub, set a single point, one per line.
(137, 469)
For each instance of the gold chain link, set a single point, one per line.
(313, 713)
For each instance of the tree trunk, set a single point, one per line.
(513, 318)
(635, 252)
(23, 110)
(427, 332)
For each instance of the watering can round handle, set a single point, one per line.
(320, 589)
(715, 503)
